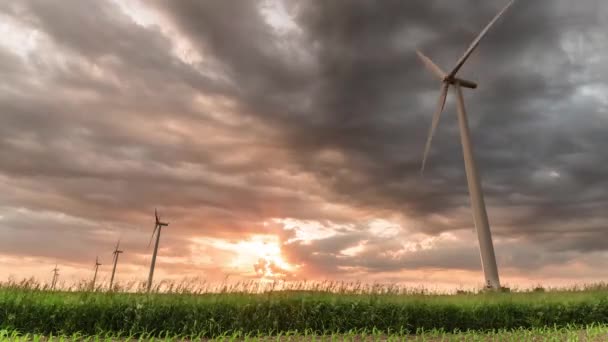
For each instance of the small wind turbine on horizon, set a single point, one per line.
(480, 216)
(116, 253)
(55, 277)
(158, 225)
(97, 264)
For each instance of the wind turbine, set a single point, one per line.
(480, 216)
(97, 264)
(158, 225)
(55, 276)
(115, 261)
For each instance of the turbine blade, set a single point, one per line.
(431, 66)
(477, 40)
(156, 215)
(152, 237)
(440, 105)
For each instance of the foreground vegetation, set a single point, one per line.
(213, 315)
(331, 311)
(589, 333)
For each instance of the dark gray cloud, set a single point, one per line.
(103, 120)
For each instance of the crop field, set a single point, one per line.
(589, 333)
(33, 313)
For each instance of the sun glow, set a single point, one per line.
(259, 255)
(270, 262)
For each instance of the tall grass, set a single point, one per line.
(593, 332)
(322, 308)
(201, 286)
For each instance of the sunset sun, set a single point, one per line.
(258, 256)
(266, 252)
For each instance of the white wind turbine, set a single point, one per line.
(55, 277)
(158, 225)
(488, 258)
(97, 264)
(116, 253)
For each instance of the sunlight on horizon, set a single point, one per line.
(259, 256)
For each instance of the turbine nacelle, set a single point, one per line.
(117, 248)
(158, 222)
(462, 82)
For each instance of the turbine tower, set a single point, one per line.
(480, 216)
(158, 225)
(97, 264)
(55, 276)
(116, 253)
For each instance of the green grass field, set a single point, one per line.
(589, 333)
(376, 315)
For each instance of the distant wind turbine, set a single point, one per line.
(97, 264)
(116, 253)
(158, 225)
(55, 277)
(480, 217)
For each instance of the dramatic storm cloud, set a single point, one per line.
(284, 139)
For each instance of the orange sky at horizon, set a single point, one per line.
(262, 257)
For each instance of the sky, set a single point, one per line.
(283, 139)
